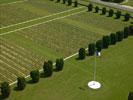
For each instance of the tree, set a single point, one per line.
(75, 3)
(111, 12)
(118, 14)
(82, 53)
(21, 83)
(120, 35)
(69, 2)
(106, 41)
(113, 38)
(131, 30)
(104, 10)
(5, 90)
(59, 64)
(91, 49)
(35, 75)
(64, 1)
(48, 68)
(99, 45)
(50, 62)
(126, 32)
(96, 9)
(127, 17)
(58, 0)
(90, 7)
(130, 96)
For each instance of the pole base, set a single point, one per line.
(94, 85)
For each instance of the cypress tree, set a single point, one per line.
(120, 35)
(75, 3)
(96, 9)
(48, 68)
(111, 12)
(59, 64)
(58, 0)
(130, 96)
(91, 49)
(5, 90)
(113, 38)
(106, 41)
(90, 7)
(82, 53)
(21, 83)
(126, 32)
(35, 75)
(118, 14)
(104, 10)
(69, 2)
(64, 1)
(131, 30)
(99, 45)
(127, 17)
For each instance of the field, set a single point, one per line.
(129, 3)
(36, 30)
(114, 71)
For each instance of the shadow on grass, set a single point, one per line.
(30, 82)
(1, 98)
(81, 88)
(55, 70)
(116, 18)
(16, 89)
(42, 75)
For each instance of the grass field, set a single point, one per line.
(7, 1)
(114, 71)
(129, 3)
(34, 31)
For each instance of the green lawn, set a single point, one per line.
(114, 71)
(129, 3)
(26, 49)
(8, 1)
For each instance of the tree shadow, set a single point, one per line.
(116, 18)
(16, 89)
(1, 97)
(30, 82)
(131, 22)
(81, 88)
(77, 58)
(42, 75)
(55, 70)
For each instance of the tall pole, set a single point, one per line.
(95, 69)
(94, 84)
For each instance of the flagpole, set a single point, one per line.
(95, 68)
(94, 84)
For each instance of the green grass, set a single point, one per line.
(129, 3)
(114, 71)
(16, 13)
(27, 49)
(8, 1)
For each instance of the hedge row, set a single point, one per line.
(35, 76)
(105, 42)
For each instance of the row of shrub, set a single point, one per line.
(35, 76)
(104, 10)
(111, 12)
(105, 42)
(116, 1)
(69, 2)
